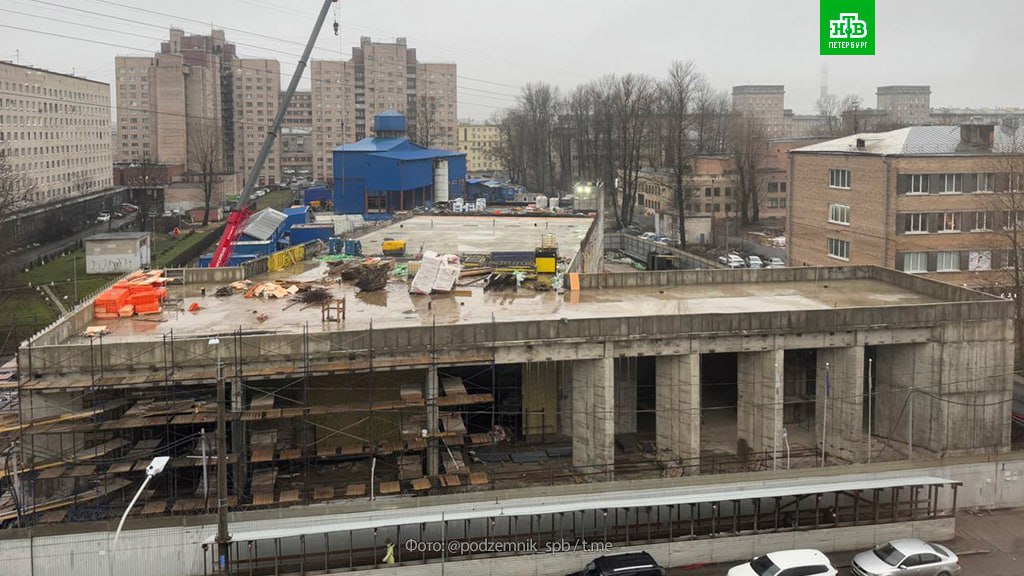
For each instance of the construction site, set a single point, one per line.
(528, 367)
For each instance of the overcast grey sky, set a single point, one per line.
(969, 52)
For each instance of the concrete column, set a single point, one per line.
(625, 395)
(565, 398)
(593, 417)
(900, 371)
(539, 391)
(844, 436)
(677, 382)
(430, 396)
(759, 399)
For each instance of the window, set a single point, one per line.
(951, 183)
(915, 262)
(951, 222)
(949, 262)
(773, 202)
(839, 178)
(918, 184)
(986, 182)
(982, 221)
(839, 214)
(979, 260)
(839, 248)
(707, 192)
(915, 223)
(773, 187)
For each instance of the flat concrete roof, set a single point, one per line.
(118, 236)
(394, 307)
(481, 234)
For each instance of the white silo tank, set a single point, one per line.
(441, 181)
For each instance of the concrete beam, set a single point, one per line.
(843, 397)
(677, 382)
(593, 421)
(760, 396)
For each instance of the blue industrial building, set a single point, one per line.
(378, 176)
(262, 235)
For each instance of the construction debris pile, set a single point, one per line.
(436, 274)
(369, 274)
(139, 293)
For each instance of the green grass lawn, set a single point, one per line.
(166, 248)
(278, 200)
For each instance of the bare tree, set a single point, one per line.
(633, 100)
(748, 145)
(678, 118)
(1007, 205)
(204, 159)
(833, 110)
(426, 127)
(712, 121)
(15, 191)
(144, 178)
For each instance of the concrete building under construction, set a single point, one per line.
(617, 376)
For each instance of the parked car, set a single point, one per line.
(787, 563)
(260, 193)
(910, 556)
(648, 236)
(626, 564)
(129, 208)
(103, 217)
(732, 261)
(754, 262)
(632, 230)
(662, 240)
(118, 214)
(776, 263)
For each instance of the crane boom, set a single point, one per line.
(222, 254)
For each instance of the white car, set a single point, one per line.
(909, 556)
(734, 261)
(776, 263)
(103, 217)
(649, 236)
(787, 563)
(754, 262)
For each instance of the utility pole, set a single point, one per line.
(223, 538)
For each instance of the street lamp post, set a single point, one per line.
(155, 467)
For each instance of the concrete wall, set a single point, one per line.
(172, 546)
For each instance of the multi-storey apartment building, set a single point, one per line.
(55, 132)
(380, 76)
(160, 98)
(926, 199)
(257, 93)
(480, 142)
(906, 105)
(765, 103)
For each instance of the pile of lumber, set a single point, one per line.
(277, 289)
(139, 293)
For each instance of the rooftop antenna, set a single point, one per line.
(824, 81)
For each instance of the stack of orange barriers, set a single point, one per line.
(139, 293)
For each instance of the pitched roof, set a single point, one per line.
(918, 141)
(263, 224)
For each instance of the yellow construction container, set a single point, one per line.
(393, 247)
(546, 265)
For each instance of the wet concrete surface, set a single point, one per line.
(395, 307)
(480, 234)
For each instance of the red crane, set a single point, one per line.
(237, 219)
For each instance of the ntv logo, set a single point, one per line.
(848, 26)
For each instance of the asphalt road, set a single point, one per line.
(989, 544)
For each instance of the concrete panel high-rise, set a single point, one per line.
(257, 92)
(906, 105)
(55, 131)
(380, 76)
(764, 103)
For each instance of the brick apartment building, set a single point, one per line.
(925, 199)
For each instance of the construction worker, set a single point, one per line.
(389, 555)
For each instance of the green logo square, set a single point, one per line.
(847, 27)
